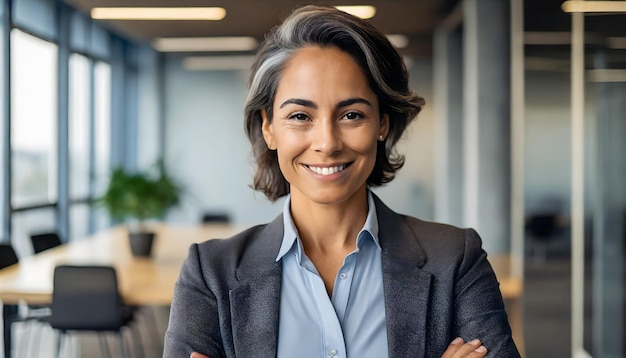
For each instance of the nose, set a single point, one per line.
(326, 137)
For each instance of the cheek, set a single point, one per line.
(290, 143)
(367, 147)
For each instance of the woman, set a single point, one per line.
(338, 274)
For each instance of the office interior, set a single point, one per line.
(522, 136)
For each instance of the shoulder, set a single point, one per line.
(430, 233)
(434, 238)
(225, 254)
(437, 245)
(249, 251)
(229, 248)
(441, 240)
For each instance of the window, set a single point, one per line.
(33, 120)
(79, 126)
(102, 137)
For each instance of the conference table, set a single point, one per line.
(141, 280)
(150, 281)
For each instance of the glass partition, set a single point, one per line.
(604, 309)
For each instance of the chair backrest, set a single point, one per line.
(44, 241)
(7, 256)
(542, 225)
(215, 217)
(86, 298)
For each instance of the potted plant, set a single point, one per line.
(140, 196)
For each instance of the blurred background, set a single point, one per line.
(522, 137)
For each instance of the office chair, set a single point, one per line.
(86, 298)
(25, 312)
(542, 228)
(44, 241)
(215, 217)
(8, 256)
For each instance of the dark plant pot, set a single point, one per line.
(141, 243)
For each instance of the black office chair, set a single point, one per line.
(7, 256)
(25, 312)
(86, 298)
(44, 241)
(215, 217)
(542, 229)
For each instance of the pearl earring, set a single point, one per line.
(381, 137)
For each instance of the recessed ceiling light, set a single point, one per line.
(398, 40)
(594, 6)
(362, 11)
(158, 13)
(215, 63)
(201, 44)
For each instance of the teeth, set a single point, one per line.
(328, 170)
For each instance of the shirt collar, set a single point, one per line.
(290, 236)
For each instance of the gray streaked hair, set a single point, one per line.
(382, 65)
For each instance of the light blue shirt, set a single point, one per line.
(352, 323)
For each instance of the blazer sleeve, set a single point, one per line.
(479, 308)
(193, 323)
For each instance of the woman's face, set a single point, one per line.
(326, 126)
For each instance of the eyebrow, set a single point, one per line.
(311, 104)
(300, 102)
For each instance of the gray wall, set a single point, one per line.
(206, 148)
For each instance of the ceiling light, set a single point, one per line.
(362, 11)
(158, 13)
(217, 63)
(594, 6)
(399, 41)
(202, 44)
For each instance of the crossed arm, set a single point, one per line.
(457, 349)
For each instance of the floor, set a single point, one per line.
(547, 308)
(37, 340)
(546, 321)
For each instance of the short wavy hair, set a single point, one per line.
(384, 68)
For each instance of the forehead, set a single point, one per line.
(323, 70)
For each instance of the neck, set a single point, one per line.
(329, 227)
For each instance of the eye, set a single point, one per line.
(298, 117)
(352, 116)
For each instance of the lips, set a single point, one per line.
(327, 170)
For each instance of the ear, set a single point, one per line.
(384, 125)
(268, 131)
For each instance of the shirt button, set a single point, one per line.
(332, 353)
(343, 276)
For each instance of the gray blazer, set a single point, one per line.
(437, 281)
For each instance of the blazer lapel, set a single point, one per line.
(406, 285)
(255, 301)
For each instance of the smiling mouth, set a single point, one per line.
(328, 170)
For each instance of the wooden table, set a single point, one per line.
(142, 281)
